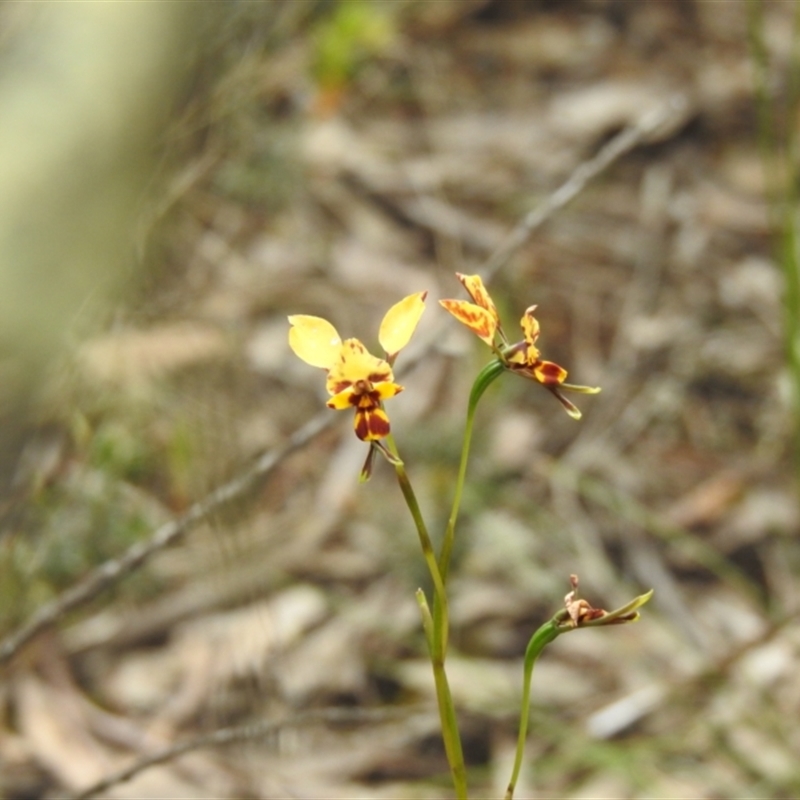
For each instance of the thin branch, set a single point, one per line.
(664, 117)
(139, 553)
(259, 730)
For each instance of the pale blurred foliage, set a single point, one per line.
(85, 91)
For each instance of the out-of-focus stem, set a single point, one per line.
(543, 636)
(779, 154)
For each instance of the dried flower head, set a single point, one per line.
(581, 614)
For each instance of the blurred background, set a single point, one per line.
(178, 178)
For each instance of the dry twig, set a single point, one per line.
(115, 569)
(242, 733)
(662, 118)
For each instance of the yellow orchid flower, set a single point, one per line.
(523, 358)
(357, 379)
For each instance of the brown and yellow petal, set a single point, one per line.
(347, 398)
(477, 291)
(355, 363)
(549, 373)
(480, 321)
(530, 325)
(522, 356)
(362, 394)
(385, 390)
(371, 424)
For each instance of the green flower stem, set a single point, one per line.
(447, 713)
(543, 636)
(435, 627)
(485, 377)
(419, 522)
(450, 733)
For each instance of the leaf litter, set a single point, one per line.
(656, 283)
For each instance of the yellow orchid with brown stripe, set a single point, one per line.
(357, 379)
(523, 358)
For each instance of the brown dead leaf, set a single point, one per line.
(207, 656)
(708, 502)
(54, 728)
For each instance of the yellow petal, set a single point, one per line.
(480, 321)
(386, 390)
(581, 389)
(343, 399)
(400, 322)
(314, 340)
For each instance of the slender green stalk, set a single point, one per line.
(419, 522)
(779, 155)
(438, 622)
(792, 105)
(543, 636)
(486, 376)
(789, 249)
(435, 626)
(766, 134)
(447, 713)
(450, 733)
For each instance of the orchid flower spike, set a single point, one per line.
(523, 357)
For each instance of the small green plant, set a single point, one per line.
(344, 40)
(358, 380)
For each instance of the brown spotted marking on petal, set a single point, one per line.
(477, 319)
(477, 291)
(361, 425)
(380, 377)
(549, 373)
(334, 387)
(371, 424)
(368, 399)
